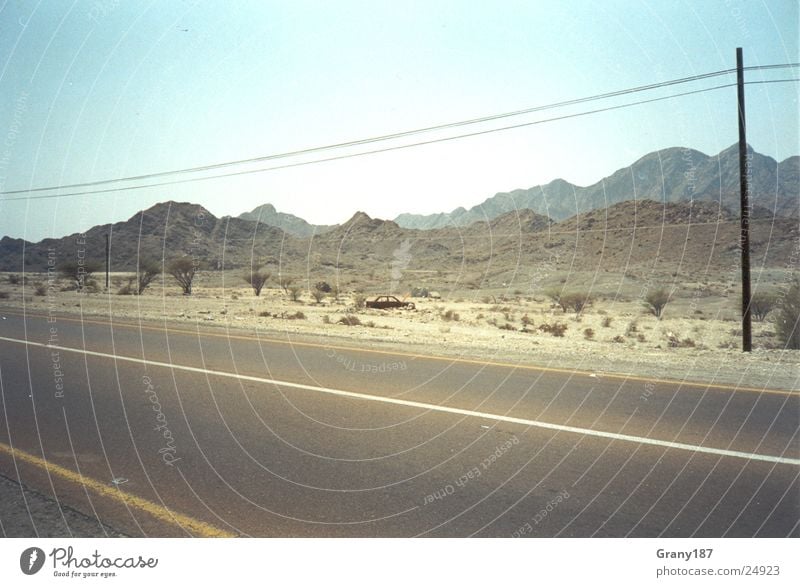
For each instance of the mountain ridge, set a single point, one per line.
(675, 174)
(267, 214)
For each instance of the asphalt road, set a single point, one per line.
(195, 431)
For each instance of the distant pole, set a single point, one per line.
(744, 191)
(108, 260)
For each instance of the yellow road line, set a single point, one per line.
(159, 512)
(561, 371)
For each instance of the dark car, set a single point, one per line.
(385, 302)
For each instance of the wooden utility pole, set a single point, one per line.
(108, 261)
(744, 191)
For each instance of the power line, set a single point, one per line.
(386, 149)
(386, 137)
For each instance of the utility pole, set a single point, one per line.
(744, 192)
(108, 260)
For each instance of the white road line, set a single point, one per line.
(430, 407)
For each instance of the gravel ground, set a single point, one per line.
(25, 513)
(609, 337)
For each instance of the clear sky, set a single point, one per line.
(103, 88)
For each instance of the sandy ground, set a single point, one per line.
(621, 337)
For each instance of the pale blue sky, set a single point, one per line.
(104, 88)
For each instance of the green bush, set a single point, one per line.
(257, 279)
(761, 304)
(656, 300)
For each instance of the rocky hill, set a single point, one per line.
(163, 232)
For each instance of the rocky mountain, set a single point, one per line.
(519, 247)
(669, 175)
(267, 214)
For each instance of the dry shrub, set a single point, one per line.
(556, 328)
(349, 320)
(787, 322)
(450, 316)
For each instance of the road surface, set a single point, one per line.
(183, 430)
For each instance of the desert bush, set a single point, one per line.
(296, 316)
(655, 301)
(323, 286)
(91, 286)
(761, 304)
(79, 273)
(526, 320)
(264, 314)
(183, 270)
(588, 333)
(3, 295)
(631, 329)
(318, 293)
(326, 319)
(555, 298)
(284, 281)
(257, 279)
(506, 326)
(556, 328)
(480, 316)
(14, 279)
(576, 301)
(787, 321)
(360, 301)
(349, 320)
(607, 321)
(419, 292)
(295, 292)
(148, 271)
(618, 339)
(40, 290)
(450, 316)
(641, 337)
(127, 289)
